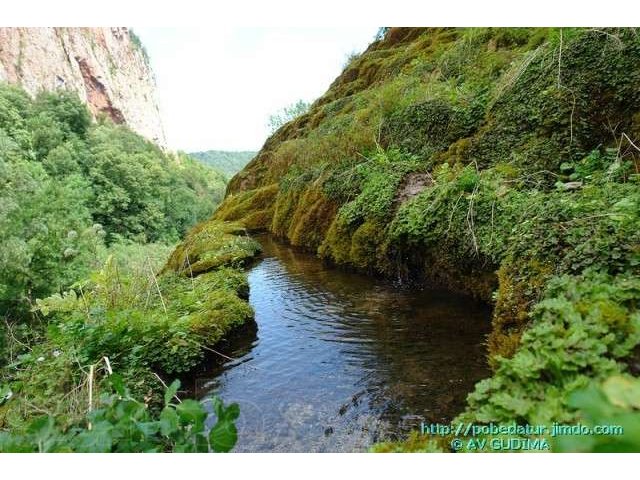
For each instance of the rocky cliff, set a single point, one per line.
(107, 67)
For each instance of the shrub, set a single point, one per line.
(287, 114)
(583, 328)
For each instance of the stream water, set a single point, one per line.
(337, 361)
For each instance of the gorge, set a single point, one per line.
(451, 233)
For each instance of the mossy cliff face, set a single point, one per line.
(499, 162)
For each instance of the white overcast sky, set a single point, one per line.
(217, 86)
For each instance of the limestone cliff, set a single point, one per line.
(107, 67)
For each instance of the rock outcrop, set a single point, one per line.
(107, 67)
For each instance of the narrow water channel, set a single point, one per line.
(338, 361)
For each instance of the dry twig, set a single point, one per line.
(164, 306)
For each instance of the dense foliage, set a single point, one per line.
(123, 424)
(582, 329)
(616, 401)
(88, 211)
(129, 319)
(68, 186)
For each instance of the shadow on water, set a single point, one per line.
(336, 361)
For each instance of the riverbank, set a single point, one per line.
(342, 360)
(129, 320)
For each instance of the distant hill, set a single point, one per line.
(229, 163)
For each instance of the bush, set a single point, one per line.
(145, 324)
(48, 240)
(582, 329)
(139, 320)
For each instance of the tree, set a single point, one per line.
(287, 114)
(65, 183)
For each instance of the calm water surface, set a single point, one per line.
(337, 361)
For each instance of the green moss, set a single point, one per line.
(285, 206)
(519, 285)
(210, 306)
(415, 443)
(557, 110)
(367, 250)
(379, 178)
(210, 245)
(311, 218)
(430, 127)
(254, 208)
(336, 246)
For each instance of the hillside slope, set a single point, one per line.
(107, 67)
(499, 162)
(227, 162)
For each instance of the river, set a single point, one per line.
(337, 361)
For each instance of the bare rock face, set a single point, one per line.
(107, 67)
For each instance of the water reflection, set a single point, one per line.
(341, 360)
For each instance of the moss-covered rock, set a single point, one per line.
(254, 208)
(210, 245)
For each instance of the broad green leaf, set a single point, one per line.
(191, 411)
(168, 421)
(97, 440)
(232, 412)
(148, 429)
(622, 391)
(223, 436)
(118, 384)
(171, 391)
